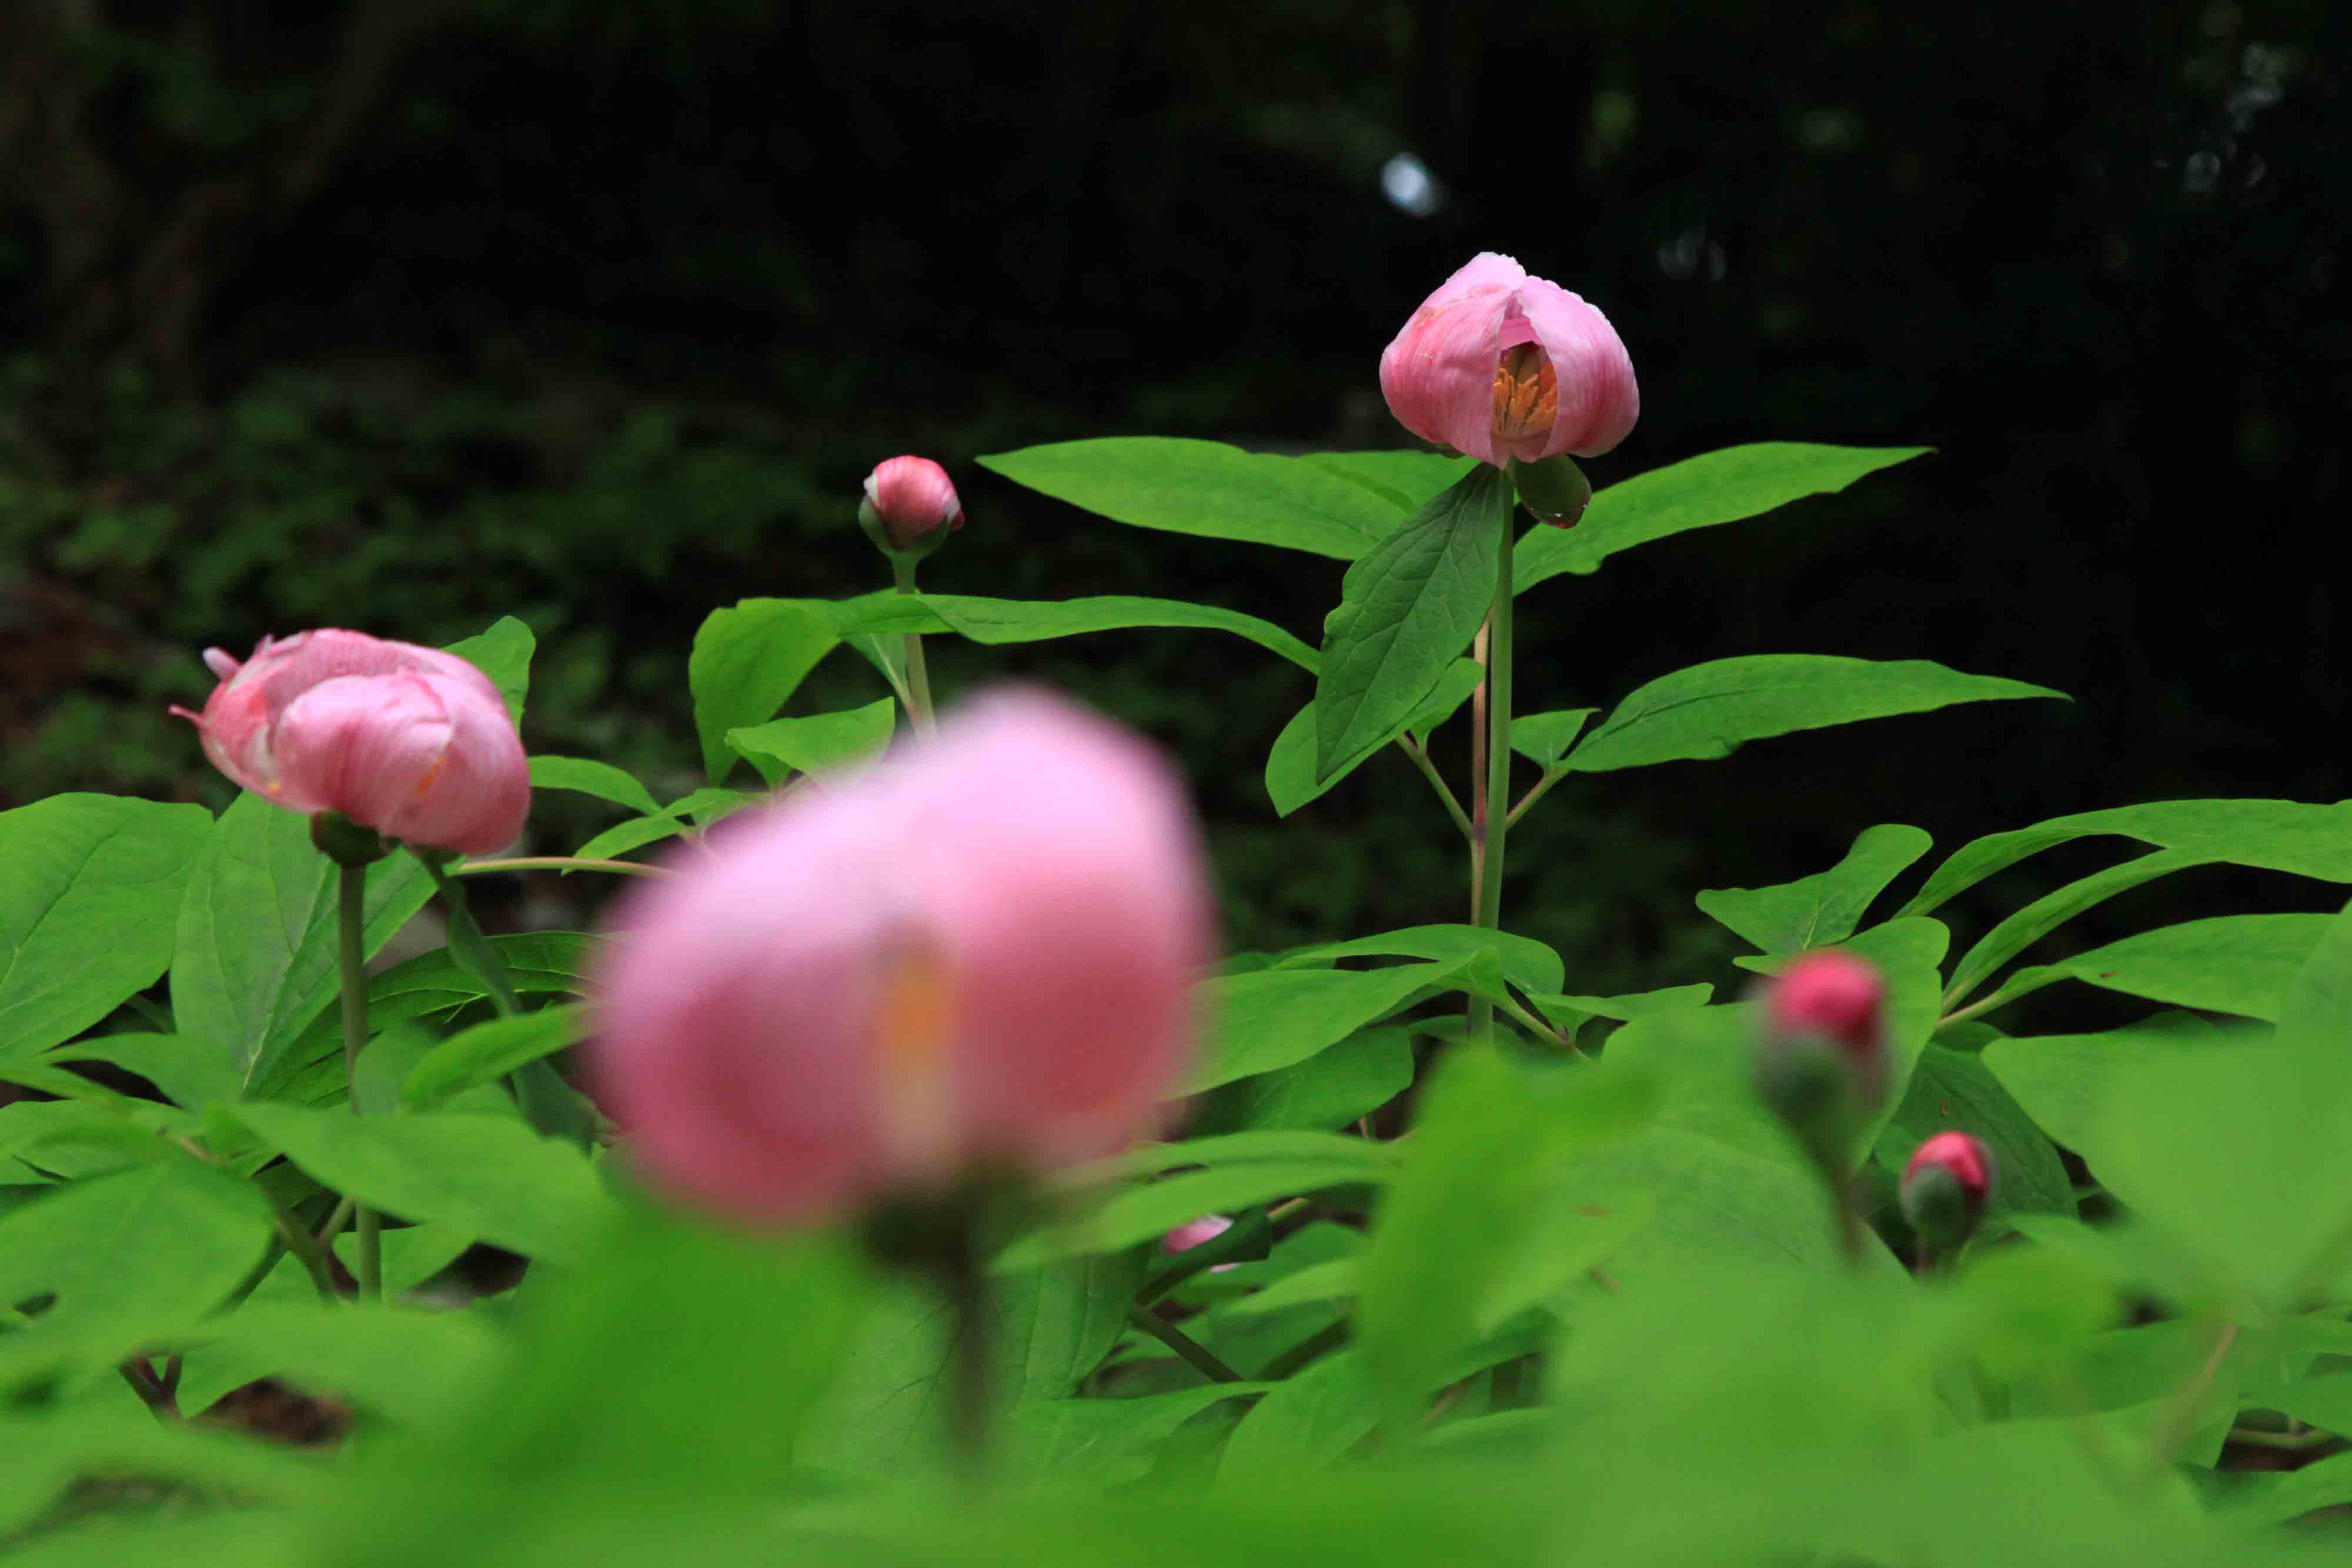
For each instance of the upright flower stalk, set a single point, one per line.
(910, 509)
(350, 953)
(1491, 816)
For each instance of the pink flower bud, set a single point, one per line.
(1184, 1238)
(1964, 1159)
(411, 742)
(1944, 1190)
(982, 950)
(1834, 996)
(1501, 365)
(911, 499)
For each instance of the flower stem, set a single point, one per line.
(352, 950)
(559, 863)
(1420, 756)
(918, 677)
(1202, 1359)
(972, 1371)
(1494, 789)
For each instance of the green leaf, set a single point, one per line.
(89, 885)
(1818, 910)
(1103, 1442)
(1290, 780)
(1545, 737)
(887, 1409)
(748, 659)
(1406, 612)
(634, 834)
(165, 1242)
(2064, 1081)
(2046, 914)
(1268, 1019)
(1311, 1419)
(589, 776)
(1147, 1212)
(993, 621)
(1955, 1090)
(489, 1175)
(255, 961)
(815, 743)
(503, 653)
(1526, 962)
(1405, 480)
(2239, 964)
(488, 1053)
(1353, 1079)
(190, 1072)
(1710, 710)
(2277, 835)
(403, 1365)
(1206, 488)
(1696, 493)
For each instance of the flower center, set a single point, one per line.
(912, 1019)
(1527, 394)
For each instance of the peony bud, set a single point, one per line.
(1946, 1189)
(910, 507)
(1837, 999)
(977, 954)
(1186, 1237)
(1503, 366)
(411, 742)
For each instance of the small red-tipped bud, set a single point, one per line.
(1206, 1229)
(1835, 996)
(910, 507)
(1946, 1189)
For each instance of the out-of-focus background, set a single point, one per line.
(406, 313)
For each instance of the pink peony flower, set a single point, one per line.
(911, 498)
(1500, 365)
(980, 950)
(413, 742)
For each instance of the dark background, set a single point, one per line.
(406, 313)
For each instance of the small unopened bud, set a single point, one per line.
(1946, 1189)
(1196, 1233)
(910, 507)
(1555, 489)
(1839, 998)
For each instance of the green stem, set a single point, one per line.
(1497, 791)
(155, 1015)
(919, 678)
(1420, 756)
(559, 863)
(1536, 792)
(351, 925)
(972, 1371)
(1329, 1337)
(1203, 1360)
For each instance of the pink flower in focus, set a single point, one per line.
(1965, 1159)
(911, 498)
(411, 741)
(1186, 1237)
(983, 949)
(1500, 365)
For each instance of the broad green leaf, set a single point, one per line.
(2277, 1497)
(2239, 964)
(66, 1499)
(1145, 1212)
(1310, 1420)
(1488, 1175)
(503, 653)
(1952, 1090)
(1268, 1019)
(1573, 1012)
(489, 1052)
(1406, 612)
(489, 1175)
(165, 1242)
(2046, 914)
(255, 961)
(2325, 1402)
(1711, 710)
(1207, 488)
(1699, 492)
(887, 1409)
(1406, 480)
(1290, 780)
(709, 805)
(2277, 835)
(190, 1072)
(1821, 909)
(404, 1365)
(1103, 1442)
(1545, 737)
(589, 776)
(992, 622)
(814, 745)
(90, 887)
(634, 834)
(1526, 962)
(1367, 1159)
(748, 658)
(1351, 1078)
(2064, 1081)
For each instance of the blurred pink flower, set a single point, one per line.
(1836, 997)
(1500, 365)
(911, 498)
(411, 741)
(980, 950)
(1964, 1159)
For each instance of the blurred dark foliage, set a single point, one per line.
(406, 313)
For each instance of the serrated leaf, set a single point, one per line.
(1696, 493)
(1406, 612)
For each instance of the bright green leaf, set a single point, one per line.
(815, 743)
(748, 658)
(589, 776)
(1821, 909)
(489, 1052)
(1290, 780)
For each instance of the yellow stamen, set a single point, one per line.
(1527, 394)
(912, 1019)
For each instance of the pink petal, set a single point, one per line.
(479, 795)
(1438, 373)
(361, 745)
(913, 495)
(1599, 401)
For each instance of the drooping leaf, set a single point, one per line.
(1699, 492)
(1823, 908)
(191, 1072)
(1406, 612)
(1207, 488)
(1290, 780)
(812, 745)
(1268, 1019)
(1353, 1079)
(89, 890)
(1710, 710)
